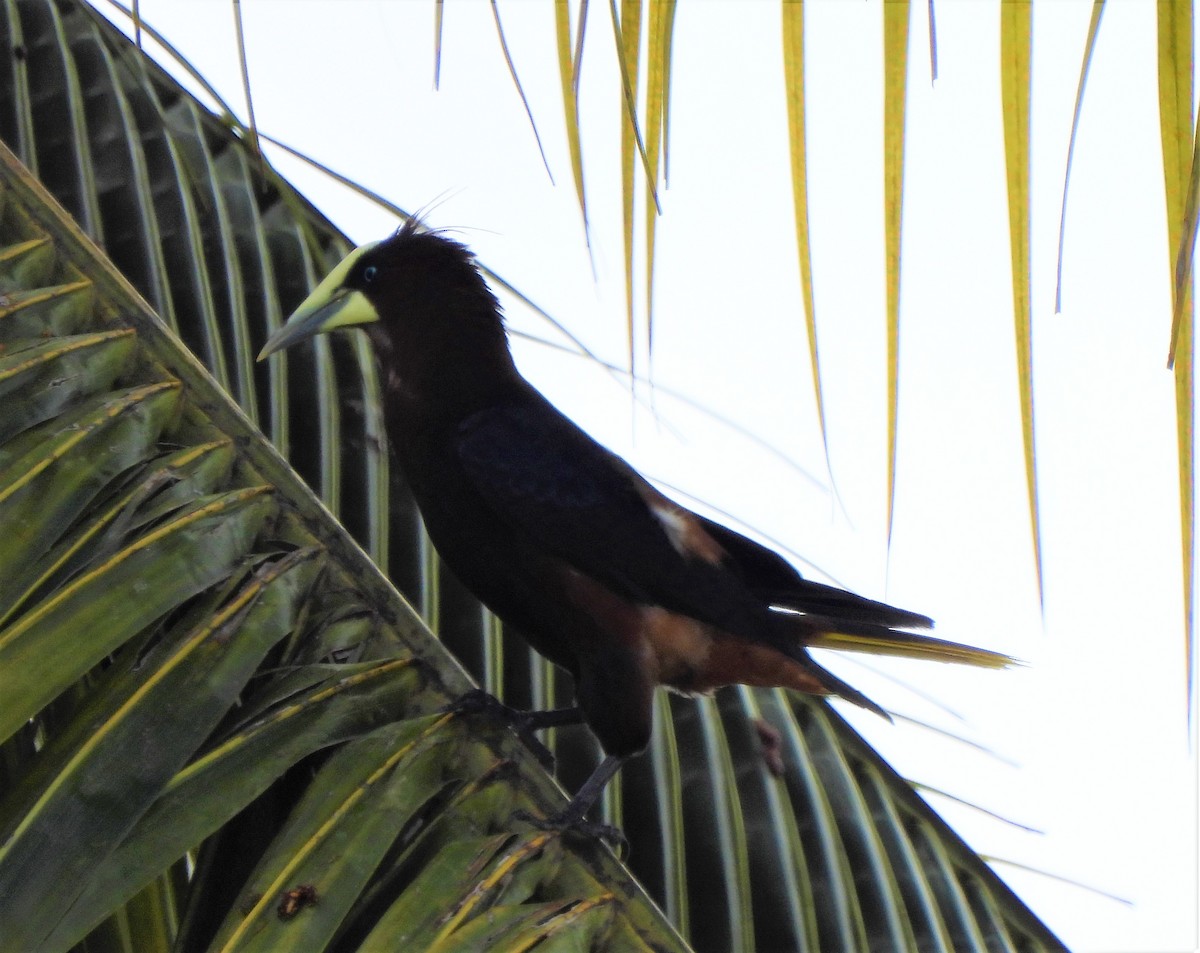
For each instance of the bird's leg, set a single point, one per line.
(524, 723)
(571, 817)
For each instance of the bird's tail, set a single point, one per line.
(824, 632)
(829, 618)
(835, 686)
(812, 630)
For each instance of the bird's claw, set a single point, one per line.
(568, 823)
(479, 702)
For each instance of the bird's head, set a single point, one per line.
(413, 291)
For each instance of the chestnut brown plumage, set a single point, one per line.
(562, 539)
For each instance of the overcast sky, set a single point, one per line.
(1089, 741)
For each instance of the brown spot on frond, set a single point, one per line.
(293, 901)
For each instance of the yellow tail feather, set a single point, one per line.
(907, 645)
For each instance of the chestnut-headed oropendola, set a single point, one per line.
(562, 539)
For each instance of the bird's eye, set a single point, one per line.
(369, 273)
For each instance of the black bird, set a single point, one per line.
(561, 538)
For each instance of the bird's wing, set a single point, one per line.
(553, 484)
(778, 582)
(562, 491)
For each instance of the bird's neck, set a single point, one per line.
(452, 374)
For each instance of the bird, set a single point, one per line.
(602, 573)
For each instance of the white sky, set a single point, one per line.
(1091, 738)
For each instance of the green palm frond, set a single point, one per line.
(222, 722)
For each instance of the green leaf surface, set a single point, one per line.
(42, 312)
(563, 926)
(26, 264)
(170, 482)
(463, 881)
(202, 797)
(45, 377)
(49, 648)
(356, 806)
(157, 710)
(49, 473)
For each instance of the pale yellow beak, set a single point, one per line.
(331, 305)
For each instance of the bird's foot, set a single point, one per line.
(570, 823)
(524, 723)
(572, 819)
